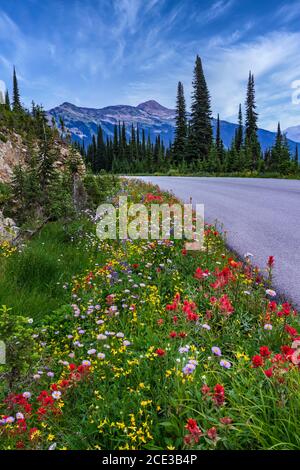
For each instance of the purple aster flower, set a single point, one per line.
(225, 364)
(216, 351)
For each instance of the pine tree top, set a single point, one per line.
(16, 93)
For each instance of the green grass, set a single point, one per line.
(237, 174)
(31, 282)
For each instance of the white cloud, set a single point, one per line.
(2, 92)
(137, 42)
(2, 86)
(127, 11)
(288, 12)
(6, 63)
(8, 28)
(273, 60)
(216, 10)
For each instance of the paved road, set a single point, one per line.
(261, 216)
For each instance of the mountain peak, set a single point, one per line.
(155, 108)
(66, 104)
(151, 105)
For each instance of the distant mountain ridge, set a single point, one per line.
(293, 133)
(154, 118)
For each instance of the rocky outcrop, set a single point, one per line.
(64, 154)
(14, 152)
(8, 229)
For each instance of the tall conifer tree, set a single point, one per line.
(239, 132)
(219, 145)
(179, 146)
(251, 139)
(16, 93)
(100, 151)
(7, 100)
(200, 137)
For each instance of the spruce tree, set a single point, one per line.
(143, 151)
(276, 151)
(268, 159)
(132, 145)
(62, 127)
(124, 142)
(179, 146)
(295, 166)
(251, 139)
(18, 185)
(285, 157)
(16, 93)
(115, 144)
(138, 141)
(219, 145)
(200, 134)
(100, 151)
(213, 163)
(239, 131)
(149, 154)
(109, 155)
(280, 154)
(94, 153)
(233, 158)
(7, 101)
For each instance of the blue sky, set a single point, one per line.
(99, 52)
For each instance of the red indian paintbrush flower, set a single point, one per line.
(160, 352)
(225, 305)
(257, 361)
(226, 420)
(291, 331)
(268, 372)
(223, 278)
(285, 311)
(212, 433)
(191, 425)
(264, 351)
(194, 432)
(272, 306)
(199, 274)
(219, 395)
(205, 390)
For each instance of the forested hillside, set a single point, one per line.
(43, 177)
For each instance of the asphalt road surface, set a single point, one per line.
(260, 216)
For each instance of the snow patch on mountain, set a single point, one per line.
(293, 133)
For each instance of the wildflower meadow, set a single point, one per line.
(151, 346)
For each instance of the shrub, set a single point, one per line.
(16, 333)
(5, 193)
(99, 188)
